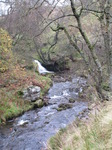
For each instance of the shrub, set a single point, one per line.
(5, 50)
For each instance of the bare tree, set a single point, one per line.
(29, 19)
(23, 21)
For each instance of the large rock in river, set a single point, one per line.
(32, 93)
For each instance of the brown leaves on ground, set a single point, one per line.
(17, 77)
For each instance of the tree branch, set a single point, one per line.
(52, 22)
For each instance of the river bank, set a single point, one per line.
(12, 103)
(92, 128)
(93, 132)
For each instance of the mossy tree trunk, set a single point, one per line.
(105, 7)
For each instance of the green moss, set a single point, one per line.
(60, 109)
(38, 104)
(47, 82)
(12, 105)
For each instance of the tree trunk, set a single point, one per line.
(105, 26)
(105, 29)
(91, 49)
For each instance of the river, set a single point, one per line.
(43, 123)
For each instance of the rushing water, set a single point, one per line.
(41, 69)
(42, 123)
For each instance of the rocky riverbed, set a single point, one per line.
(32, 130)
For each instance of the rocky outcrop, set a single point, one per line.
(32, 93)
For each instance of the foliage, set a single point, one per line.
(5, 50)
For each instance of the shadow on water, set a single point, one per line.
(41, 124)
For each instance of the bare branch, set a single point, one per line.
(54, 44)
(52, 22)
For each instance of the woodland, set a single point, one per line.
(63, 35)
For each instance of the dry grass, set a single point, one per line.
(95, 134)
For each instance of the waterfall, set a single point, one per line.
(40, 68)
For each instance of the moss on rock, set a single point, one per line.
(39, 103)
(64, 106)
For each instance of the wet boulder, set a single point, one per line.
(32, 93)
(22, 122)
(71, 100)
(64, 106)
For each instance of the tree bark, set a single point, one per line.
(105, 27)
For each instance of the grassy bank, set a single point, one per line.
(94, 134)
(11, 101)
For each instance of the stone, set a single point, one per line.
(22, 122)
(77, 90)
(33, 89)
(71, 100)
(34, 97)
(59, 109)
(32, 93)
(64, 106)
(39, 103)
